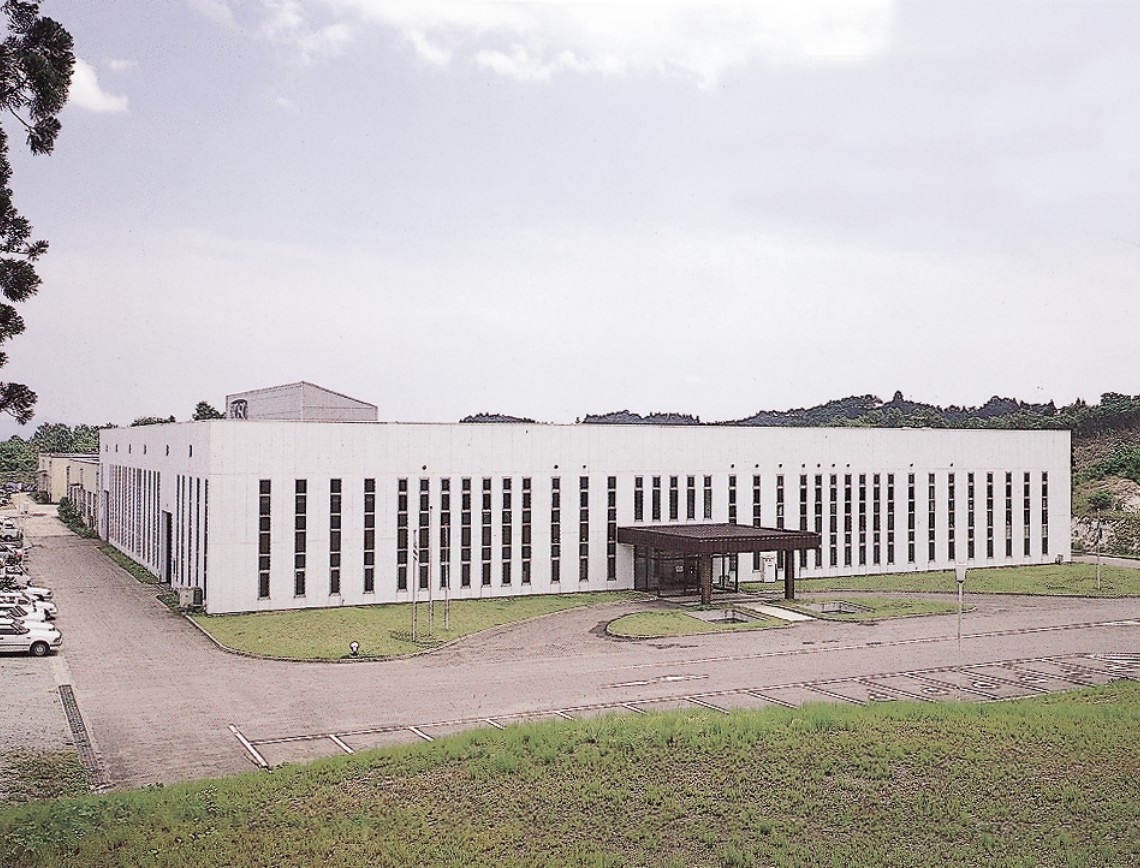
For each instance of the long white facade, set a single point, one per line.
(274, 515)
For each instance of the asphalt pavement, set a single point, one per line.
(161, 703)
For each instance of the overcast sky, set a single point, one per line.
(552, 209)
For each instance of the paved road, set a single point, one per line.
(159, 699)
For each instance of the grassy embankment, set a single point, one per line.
(1058, 579)
(36, 774)
(383, 631)
(1046, 781)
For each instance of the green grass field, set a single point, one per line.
(383, 631)
(1046, 781)
(877, 608)
(649, 625)
(1065, 579)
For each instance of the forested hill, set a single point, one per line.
(1115, 412)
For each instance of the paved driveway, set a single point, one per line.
(159, 699)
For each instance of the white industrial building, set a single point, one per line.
(272, 514)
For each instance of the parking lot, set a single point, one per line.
(160, 703)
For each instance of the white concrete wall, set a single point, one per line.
(233, 456)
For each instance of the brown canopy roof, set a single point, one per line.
(717, 538)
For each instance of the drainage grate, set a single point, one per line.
(96, 777)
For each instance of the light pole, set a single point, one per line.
(960, 574)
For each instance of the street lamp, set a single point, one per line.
(960, 574)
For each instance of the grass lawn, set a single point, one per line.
(34, 774)
(878, 608)
(1045, 781)
(386, 630)
(1066, 579)
(651, 625)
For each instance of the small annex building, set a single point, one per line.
(268, 514)
(299, 402)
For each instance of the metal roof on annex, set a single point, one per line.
(718, 539)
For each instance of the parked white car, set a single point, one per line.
(22, 598)
(20, 583)
(37, 639)
(24, 613)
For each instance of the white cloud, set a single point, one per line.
(287, 24)
(699, 41)
(428, 50)
(118, 64)
(218, 11)
(86, 93)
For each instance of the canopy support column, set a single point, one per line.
(789, 575)
(706, 580)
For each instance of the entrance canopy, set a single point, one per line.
(707, 540)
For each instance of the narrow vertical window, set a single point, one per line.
(584, 528)
(334, 535)
(1027, 513)
(611, 528)
(465, 534)
(833, 520)
(911, 519)
(732, 500)
(1044, 513)
(931, 503)
(803, 514)
(691, 498)
(300, 532)
(486, 540)
(639, 498)
(890, 518)
(708, 498)
(369, 536)
(526, 525)
(818, 505)
(508, 524)
(989, 515)
(555, 529)
(445, 533)
(401, 534)
(656, 498)
(970, 546)
(263, 537)
(848, 505)
(862, 519)
(757, 556)
(1009, 515)
(674, 499)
